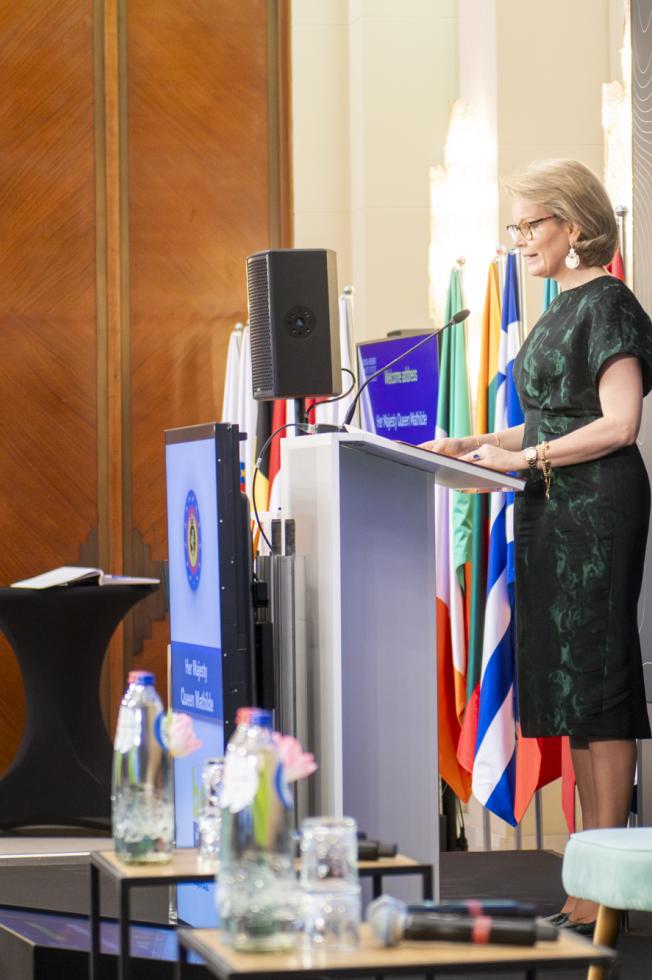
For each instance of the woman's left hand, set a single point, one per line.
(496, 458)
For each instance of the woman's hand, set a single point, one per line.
(496, 458)
(450, 447)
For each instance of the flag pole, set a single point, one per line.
(523, 331)
(621, 219)
(538, 819)
(486, 829)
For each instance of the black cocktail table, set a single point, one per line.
(61, 774)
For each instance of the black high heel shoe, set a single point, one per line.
(581, 928)
(558, 919)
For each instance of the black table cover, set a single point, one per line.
(61, 774)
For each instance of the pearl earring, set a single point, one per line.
(572, 260)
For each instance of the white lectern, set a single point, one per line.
(367, 679)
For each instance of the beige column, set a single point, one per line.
(551, 62)
(373, 82)
(320, 129)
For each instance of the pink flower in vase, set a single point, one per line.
(296, 763)
(181, 738)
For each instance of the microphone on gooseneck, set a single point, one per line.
(390, 923)
(458, 318)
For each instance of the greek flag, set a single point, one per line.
(494, 767)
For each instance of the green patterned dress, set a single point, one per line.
(579, 555)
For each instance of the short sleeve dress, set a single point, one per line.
(579, 555)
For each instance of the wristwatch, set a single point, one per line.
(532, 457)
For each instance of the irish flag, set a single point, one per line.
(453, 549)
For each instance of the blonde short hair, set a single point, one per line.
(572, 192)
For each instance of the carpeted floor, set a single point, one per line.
(535, 876)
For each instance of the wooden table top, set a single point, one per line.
(399, 863)
(185, 864)
(570, 951)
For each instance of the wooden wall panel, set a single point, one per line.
(199, 196)
(48, 461)
(144, 153)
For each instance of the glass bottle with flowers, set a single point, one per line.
(256, 887)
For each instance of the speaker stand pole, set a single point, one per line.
(299, 415)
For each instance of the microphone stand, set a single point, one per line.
(458, 318)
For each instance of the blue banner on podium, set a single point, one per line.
(197, 680)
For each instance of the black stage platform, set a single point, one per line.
(533, 876)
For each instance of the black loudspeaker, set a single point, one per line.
(293, 318)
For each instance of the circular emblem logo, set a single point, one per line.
(192, 540)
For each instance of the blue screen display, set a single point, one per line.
(196, 639)
(191, 468)
(401, 403)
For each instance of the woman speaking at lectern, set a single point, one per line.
(581, 523)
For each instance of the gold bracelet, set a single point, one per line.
(546, 467)
(497, 439)
(477, 442)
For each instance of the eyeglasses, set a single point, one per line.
(526, 228)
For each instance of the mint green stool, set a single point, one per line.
(613, 868)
